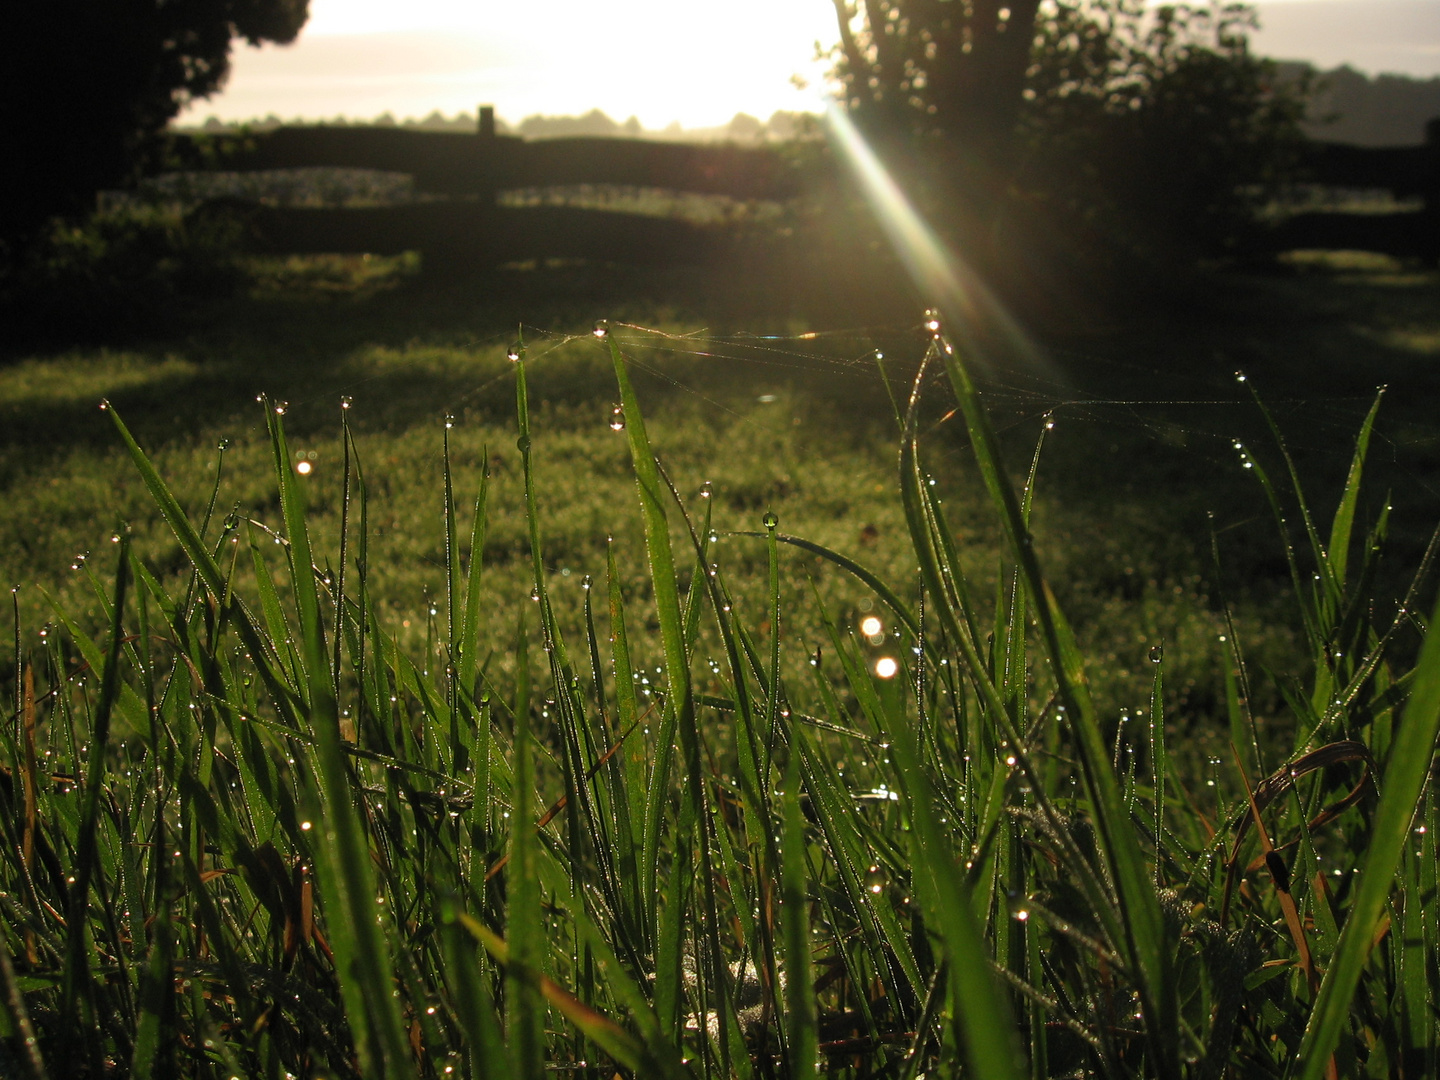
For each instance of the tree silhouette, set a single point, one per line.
(952, 72)
(87, 87)
(1157, 122)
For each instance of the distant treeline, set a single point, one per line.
(1348, 107)
(1384, 110)
(742, 127)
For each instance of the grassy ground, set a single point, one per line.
(1145, 407)
(813, 846)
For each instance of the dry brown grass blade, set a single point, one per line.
(560, 803)
(1280, 874)
(1281, 781)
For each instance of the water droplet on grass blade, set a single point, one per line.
(770, 521)
(346, 401)
(617, 418)
(706, 490)
(515, 352)
(601, 329)
(280, 407)
(1157, 653)
(932, 321)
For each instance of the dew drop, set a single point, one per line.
(515, 352)
(535, 593)
(585, 583)
(706, 490)
(770, 521)
(874, 881)
(617, 418)
(223, 445)
(523, 444)
(1157, 653)
(449, 421)
(932, 321)
(346, 401)
(1240, 376)
(104, 404)
(280, 407)
(601, 329)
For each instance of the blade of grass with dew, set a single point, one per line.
(983, 1025)
(361, 950)
(930, 540)
(524, 1011)
(1143, 927)
(633, 764)
(1405, 777)
(679, 703)
(79, 979)
(802, 1021)
(1344, 522)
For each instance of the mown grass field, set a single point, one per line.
(733, 890)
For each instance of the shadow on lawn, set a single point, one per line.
(1145, 398)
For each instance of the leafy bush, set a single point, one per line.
(123, 269)
(1157, 131)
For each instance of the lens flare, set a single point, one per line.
(940, 275)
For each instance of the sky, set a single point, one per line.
(695, 62)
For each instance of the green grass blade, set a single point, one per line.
(1344, 522)
(802, 1021)
(362, 952)
(679, 701)
(1406, 771)
(984, 1027)
(78, 987)
(1144, 934)
(524, 1008)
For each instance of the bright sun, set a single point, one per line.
(660, 60)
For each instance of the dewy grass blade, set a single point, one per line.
(985, 1028)
(1344, 523)
(1405, 775)
(524, 1010)
(802, 1023)
(78, 988)
(679, 701)
(1145, 937)
(470, 631)
(362, 951)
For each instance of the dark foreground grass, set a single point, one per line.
(693, 813)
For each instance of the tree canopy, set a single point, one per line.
(1155, 126)
(87, 87)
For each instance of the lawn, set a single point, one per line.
(765, 872)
